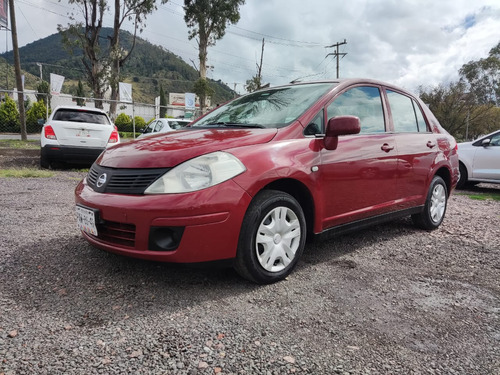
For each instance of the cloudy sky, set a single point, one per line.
(409, 42)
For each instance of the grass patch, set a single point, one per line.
(16, 143)
(25, 172)
(484, 197)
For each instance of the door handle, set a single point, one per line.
(385, 147)
(431, 144)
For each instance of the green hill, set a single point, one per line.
(148, 67)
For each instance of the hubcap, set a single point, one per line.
(278, 238)
(438, 203)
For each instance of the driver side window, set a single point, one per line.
(363, 102)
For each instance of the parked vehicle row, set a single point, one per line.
(249, 181)
(480, 160)
(78, 135)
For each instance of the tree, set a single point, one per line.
(43, 92)
(85, 36)
(457, 111)
(208, 20)
(483, 77)
(9, 115)
(135, 10)
(253, 84)
(163, 103)
(36, 112)
(80, 94)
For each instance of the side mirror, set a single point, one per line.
(342, 125)
(41, 121)
(486, 142)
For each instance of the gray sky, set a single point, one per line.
(408, 43)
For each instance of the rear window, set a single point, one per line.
(75, 115)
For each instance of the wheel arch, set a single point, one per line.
(445, 174)
(301, 193)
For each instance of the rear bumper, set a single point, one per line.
(70, 154)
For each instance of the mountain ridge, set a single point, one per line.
(149, 67)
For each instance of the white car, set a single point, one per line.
(76, 135)
(164, 125)
(480, 160)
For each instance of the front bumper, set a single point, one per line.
(204, 225)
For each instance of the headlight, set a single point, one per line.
(198, 173)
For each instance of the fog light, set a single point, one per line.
(165, 238)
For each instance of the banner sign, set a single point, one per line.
(190, 100)
(125, 90)
(3, 14)
(56, 82)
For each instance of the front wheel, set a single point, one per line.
(272, 237)
(435, 206)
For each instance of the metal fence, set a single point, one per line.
(144, 110)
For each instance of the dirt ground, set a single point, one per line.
(387, 300)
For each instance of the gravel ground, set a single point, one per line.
(387, 300)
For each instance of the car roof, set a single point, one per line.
(79, 108)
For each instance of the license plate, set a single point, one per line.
(86, 219)
(83, 133)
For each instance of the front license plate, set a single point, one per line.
(85, 219)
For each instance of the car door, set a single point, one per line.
(358, 179)
(417, 147)
(486, 163)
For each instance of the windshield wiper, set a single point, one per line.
(231, 124)
(246, 125)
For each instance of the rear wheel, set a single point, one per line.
(462, 180)
(435, 206)
(272, 237)
(44, 162)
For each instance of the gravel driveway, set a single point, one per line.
(387, 300)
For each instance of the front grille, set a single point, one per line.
(122, 181)
(116, 233)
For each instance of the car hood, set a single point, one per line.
(171, 149)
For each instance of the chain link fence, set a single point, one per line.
(37, 113)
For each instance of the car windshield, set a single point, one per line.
(273, 108)
(76, 115)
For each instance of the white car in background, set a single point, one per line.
(164, 125)
(76, 135)
(480, 160)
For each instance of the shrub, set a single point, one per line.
(123, 122)
(36, 112)
(9, 116)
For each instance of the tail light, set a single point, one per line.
(48, 132)
(114, 137)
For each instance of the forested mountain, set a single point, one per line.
(148, 67)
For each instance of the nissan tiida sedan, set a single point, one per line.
(251, 180)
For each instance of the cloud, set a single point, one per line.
(409, 43)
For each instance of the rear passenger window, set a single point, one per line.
(364, 103)
(406, 114)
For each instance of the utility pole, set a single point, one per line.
(337, 54)
(259, 67)
(17, 66)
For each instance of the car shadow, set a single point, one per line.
(84, 286)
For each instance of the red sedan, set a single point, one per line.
(249, 181)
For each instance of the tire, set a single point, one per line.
(272, 238)
(435, 206)
(462, 181)
(44, 162)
